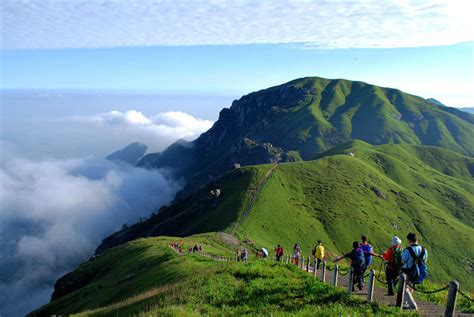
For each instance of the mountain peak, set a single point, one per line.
(308, 116)
(130, 154)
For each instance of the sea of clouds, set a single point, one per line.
(54, 212)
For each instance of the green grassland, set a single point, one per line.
(426, 190)
(146, 277)
(381, 191)
(333, 199)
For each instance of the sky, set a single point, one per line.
(233, 48)
(81, 79)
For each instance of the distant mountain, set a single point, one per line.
(130, 154)
(469, 110)
(436, 102)
(297, 120)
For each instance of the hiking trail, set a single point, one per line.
(254, 197)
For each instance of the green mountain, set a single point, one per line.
(302, 176)
(353, 189)
(381, 191)
(305, 117)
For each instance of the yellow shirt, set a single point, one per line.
(320, 252)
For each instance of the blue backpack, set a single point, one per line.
(419, 271)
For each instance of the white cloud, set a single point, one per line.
(156, 131)
(47, 227)
(327, 24)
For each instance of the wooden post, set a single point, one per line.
(350, 281)
(335, 276)
(402, 284)
(302, 262)
(314, 266)
(307, 264)
(370, 287)
(323, 272)
(452, 295)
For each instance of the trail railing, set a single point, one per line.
(453, 287)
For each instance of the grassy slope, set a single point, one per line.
(428, 190)
(335, 111)
(146, 277)
(331, 199)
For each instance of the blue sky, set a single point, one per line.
(443, 72)
(231, 48)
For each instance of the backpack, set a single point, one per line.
(396, 263)
(419, 271)
(358, 260)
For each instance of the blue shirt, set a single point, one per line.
(367, 249)
(407, 259)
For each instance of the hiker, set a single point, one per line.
(199, 248)
(296, 254)
(393, 260)
(279, 253)
(243, 254)
(237, 253)
(318, 252)
(357, 264)
(414, 259)
(366, 247)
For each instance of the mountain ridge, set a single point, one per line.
(304, 117)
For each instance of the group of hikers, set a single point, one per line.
(179, 246)
(195, 248)
(411, 261)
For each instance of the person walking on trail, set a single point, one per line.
(296, 254)
(366, 247)
(393, 260)
(357, 264)
(243, 255)
(368, 251)
(319, 253)
(414, 259)
(279, 253)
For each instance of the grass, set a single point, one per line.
(426, 190)
(167, 284)
(332, 199)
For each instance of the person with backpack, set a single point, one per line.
(414, 259)
(393, 259)
(357, 264)
(318, 252)
(279, 253)
(296, 254)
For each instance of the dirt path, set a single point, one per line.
(253, 199)
(424, 308)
